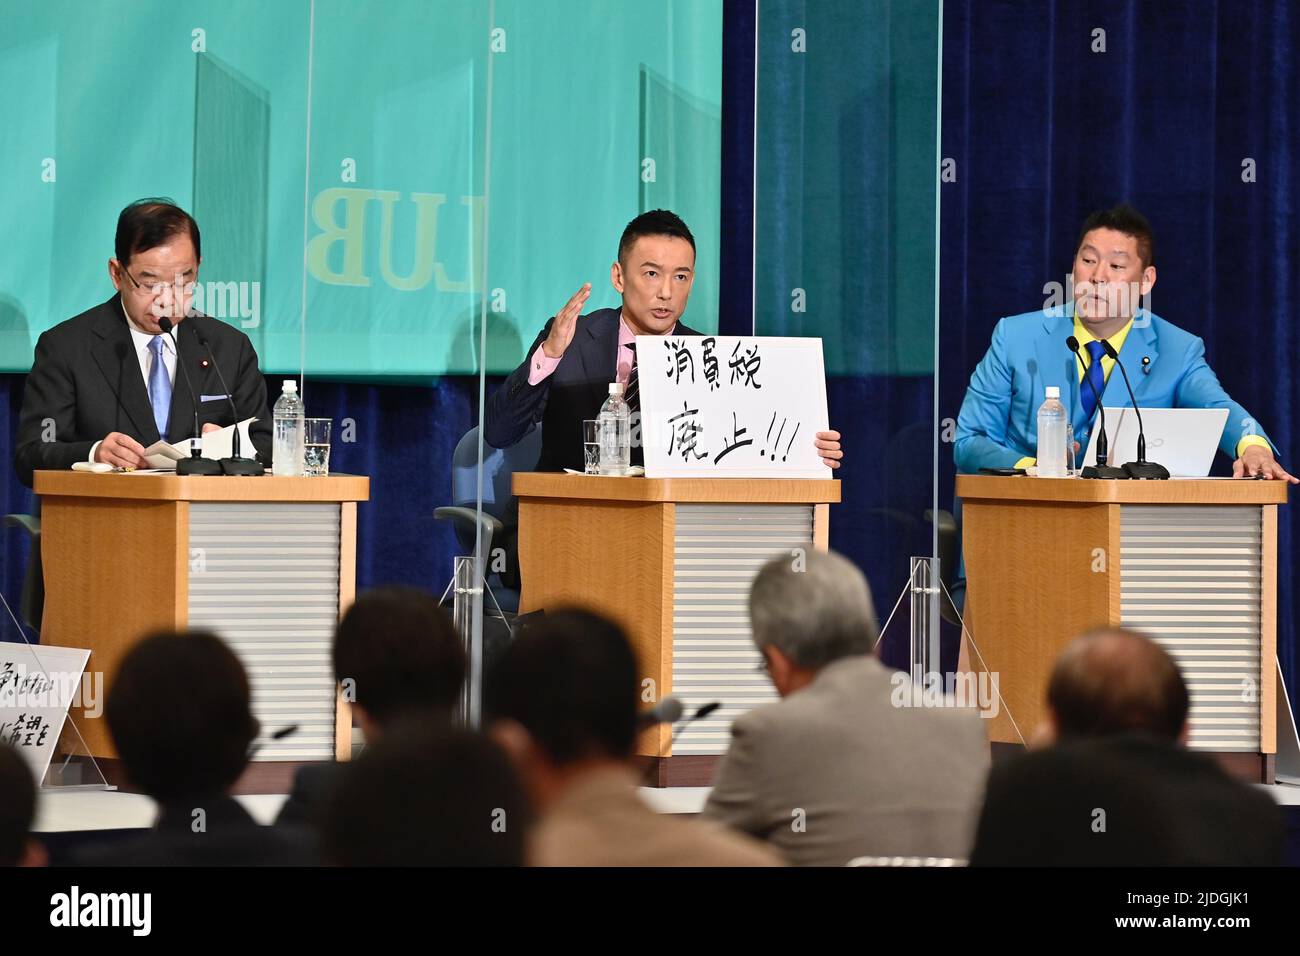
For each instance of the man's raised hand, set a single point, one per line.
(566, 321)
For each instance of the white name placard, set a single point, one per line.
(38, 683)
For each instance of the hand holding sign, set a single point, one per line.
(565, 322)
(828, 444)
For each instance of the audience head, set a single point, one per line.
(809, 610)
(17, 811)
(180, 715)
(427, 794)
(565, 697)
(1112, 681)
(396, 651)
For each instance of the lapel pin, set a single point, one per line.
(1146, 365)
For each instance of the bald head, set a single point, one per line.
(1112, 681)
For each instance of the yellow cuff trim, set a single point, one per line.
(1252, 440)
(1027, 462)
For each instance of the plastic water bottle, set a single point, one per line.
(287, 452)
(1051, 435)
(615, 433)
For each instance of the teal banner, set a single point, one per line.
(345, 160)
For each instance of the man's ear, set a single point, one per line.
(511, 737)
(779, 667)
(1184, 735)
(1148, 279)
(616, 277)
(1046, 733)
(114, 274)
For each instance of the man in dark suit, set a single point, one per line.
(17, 811)
(181, 717)
(565, 377)
(395, 654)
(427, 794)
(1114, 785)
(104, 384)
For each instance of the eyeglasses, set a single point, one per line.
(155, 287)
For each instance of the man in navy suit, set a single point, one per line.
(565, 377)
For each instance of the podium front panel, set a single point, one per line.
(1191, 577)
(1191, 563)
(718, 549)
(264, 576)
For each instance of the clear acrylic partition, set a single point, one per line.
(393, 266)
(845, 249)
(334, 155)
(595, 113)
(213, 118)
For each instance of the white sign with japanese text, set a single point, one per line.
(726, 406)
(38, 683)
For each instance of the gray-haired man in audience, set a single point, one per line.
(836, 770)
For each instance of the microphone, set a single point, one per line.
(701, 713)
(235, 464)
(196, 464)
(667, 711)
(1141, 469)
(286, 731)
(704, 711)
(1101, 469)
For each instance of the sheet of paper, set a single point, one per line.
(216, 444)
(634, 471)
(219, 444)
(162, 454)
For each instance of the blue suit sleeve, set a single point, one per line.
(1200, 388)
(985, 411)
(513, 408)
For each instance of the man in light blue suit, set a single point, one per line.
(1113, 269)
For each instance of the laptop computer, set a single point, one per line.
(1184, 440)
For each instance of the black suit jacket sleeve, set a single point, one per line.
(250, 401)
(516, 406)
(47, 423)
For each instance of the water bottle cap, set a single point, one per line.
(289, 386)
(1053, 391)
(616, 388)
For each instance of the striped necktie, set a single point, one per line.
(632, 395)
(632, 391)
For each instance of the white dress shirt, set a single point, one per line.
(141, 342)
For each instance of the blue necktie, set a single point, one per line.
(160, 387)
(1088, 396)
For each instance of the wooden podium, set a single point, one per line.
(1192, 563)
(267, 563)
(671, 560)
